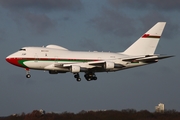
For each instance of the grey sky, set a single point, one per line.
(103, 25)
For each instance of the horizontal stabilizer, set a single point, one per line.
(148, 58)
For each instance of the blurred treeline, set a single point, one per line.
(129, 114)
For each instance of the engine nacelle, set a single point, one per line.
(109, 65)
(75, 69)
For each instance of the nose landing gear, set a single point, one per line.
(27, 73)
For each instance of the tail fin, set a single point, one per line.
(146, 44)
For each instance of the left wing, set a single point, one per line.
(92, 64)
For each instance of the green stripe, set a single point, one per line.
(21, 62)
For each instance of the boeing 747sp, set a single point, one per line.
(57, 59)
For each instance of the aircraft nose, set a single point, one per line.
(14, 61)
(9, 59)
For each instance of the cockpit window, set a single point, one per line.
(22, 49)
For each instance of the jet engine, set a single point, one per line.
(75, 69)
(109, 65)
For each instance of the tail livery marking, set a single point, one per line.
(150, 36)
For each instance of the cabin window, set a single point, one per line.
(22, 49)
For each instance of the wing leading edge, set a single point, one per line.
(90, 65)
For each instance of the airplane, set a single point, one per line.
(57, 59)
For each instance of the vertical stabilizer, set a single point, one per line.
(147, 43)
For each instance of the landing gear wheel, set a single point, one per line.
(78, 79)
(76, 75)
(90, 76)
(94, 78)
(28, 76)
(89, 79)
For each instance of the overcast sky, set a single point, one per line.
(95, 25)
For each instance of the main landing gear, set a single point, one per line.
(88, 76)
(27, 73)
(76, 75)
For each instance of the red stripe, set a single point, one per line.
(15, 61)
(145, 36)
(150, 36)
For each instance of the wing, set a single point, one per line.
(94, 66)
(93, 63)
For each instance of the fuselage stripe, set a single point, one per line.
(20, 61)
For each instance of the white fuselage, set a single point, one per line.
(43, 58)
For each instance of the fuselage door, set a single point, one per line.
(56, 59)
(36, 57)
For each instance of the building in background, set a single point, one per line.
(159, 108)
(42, 111)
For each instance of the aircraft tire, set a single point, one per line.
(94, 78)
(75, 76)
(28, 76)
(78, 79)
(89, 79)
